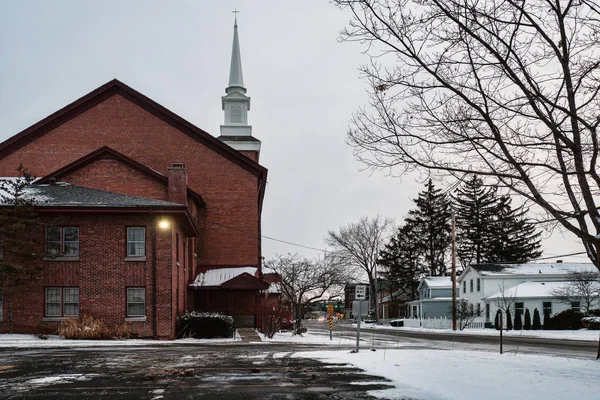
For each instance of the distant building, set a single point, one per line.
(435, 298)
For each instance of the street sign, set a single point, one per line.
(330, 309)
(360, 292)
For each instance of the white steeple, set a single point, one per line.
(235, 130)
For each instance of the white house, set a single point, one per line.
(526, 286)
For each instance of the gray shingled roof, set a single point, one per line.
(66, 195)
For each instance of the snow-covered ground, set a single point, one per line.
(472, 375)
(581, 334)
(21, 341)
(309, 337)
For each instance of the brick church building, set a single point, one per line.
(156, 215)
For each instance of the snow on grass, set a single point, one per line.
(29, 341)
(581, 334)
(472, 375)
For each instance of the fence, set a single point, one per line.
(438, 323)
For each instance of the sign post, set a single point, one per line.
(360, 294)
(331, 327)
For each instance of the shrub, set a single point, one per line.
(90, 328)
(567, 319)
(205, 325)
(527, 321)
(509, 324)
(547, 321)
(84, 327)
(537, 322)
(591, 323)
(518, 321)
(594, 313)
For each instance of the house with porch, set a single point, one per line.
(435, 298)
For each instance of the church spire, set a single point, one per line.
(235, 131)
(236, 79)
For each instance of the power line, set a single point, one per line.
(293, 244)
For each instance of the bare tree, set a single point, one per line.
(504, 88)
(505, 301)
(465, 314)
(359, 244)
(583, 286)
(304, 282)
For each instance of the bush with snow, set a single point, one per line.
(205, 325)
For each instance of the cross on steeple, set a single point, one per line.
(235, 13)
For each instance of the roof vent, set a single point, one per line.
(178, 165)
(540, 271)
(52, 180)
(559, 261)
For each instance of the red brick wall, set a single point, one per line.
(103, 275)
(231, 233)
(113, 176)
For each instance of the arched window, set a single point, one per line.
(236, 114)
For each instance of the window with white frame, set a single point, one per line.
(136, 241)
(465, 287)
(62, 301)
(519, 309)
(487, 311)
(62, 241)
(136, 302)
(478, 309)
(576, 306)
(478, 285)
(547, 307)
(471, 285)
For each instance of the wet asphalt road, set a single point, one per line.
(215, 371)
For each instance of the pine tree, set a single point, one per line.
(509, 324)
(537, 323)
(547, 322)
(527, 322)
(403, 260)
(21, 237)
(515, 238)
(431, 219)
(489, 230)
(518, 321)
(474, 206)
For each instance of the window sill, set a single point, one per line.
(135, 319)
(141, 258)
(60, 258)
(57, 319)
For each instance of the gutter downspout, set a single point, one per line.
(154, 279)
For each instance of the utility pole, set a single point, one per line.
(453, 273)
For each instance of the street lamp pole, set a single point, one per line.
(453, 273)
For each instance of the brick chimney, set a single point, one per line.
(178, 179)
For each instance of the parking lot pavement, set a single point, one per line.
(248, 371)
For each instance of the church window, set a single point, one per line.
(236, 114)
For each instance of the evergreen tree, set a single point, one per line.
(489, 230)
(518, 321)
(547, 322)
(509, 324)
(431, 219)
(515, 239)
(21, 238)
(537, 323)
(474, 206)
(527, 322)
(403, 261)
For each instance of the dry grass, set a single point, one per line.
(90, 328)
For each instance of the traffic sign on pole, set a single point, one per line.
(360, 292)
(330, 309)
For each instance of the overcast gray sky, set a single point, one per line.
(304, 87)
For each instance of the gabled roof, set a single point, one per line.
(107, 152)
(529, 290)
(437, 282)
(117, 87)
(245, 281)
(217, 276)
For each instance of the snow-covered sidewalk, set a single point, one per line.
(473, 375)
